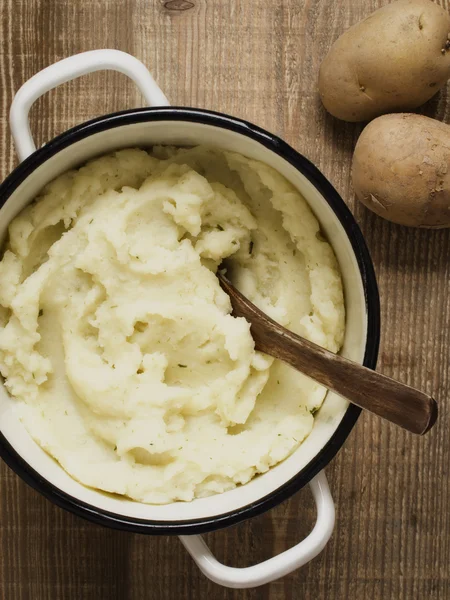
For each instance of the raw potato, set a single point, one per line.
(401, 170)
(395, 60)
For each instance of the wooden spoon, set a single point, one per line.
(387, 398)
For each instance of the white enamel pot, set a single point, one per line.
(162, 124)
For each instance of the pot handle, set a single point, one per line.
(71, 68)
(279, 565)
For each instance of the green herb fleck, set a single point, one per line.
(182, 366)
(279, 434)
(115, 448)
(219, 227)
(41, 312)
(314, 410)
(278, 381)
(250, 247)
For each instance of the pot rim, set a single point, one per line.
(331, 196)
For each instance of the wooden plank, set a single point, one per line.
(257, 60)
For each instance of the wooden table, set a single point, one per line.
(256, 59)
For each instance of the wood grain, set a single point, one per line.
(258, 60)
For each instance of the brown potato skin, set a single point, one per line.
(401, 170)
(395, 60)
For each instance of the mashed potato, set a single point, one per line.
(116, 339)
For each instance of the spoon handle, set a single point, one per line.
(394, 401)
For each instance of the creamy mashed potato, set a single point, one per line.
(116, 339)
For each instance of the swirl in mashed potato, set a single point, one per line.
(117, 341)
